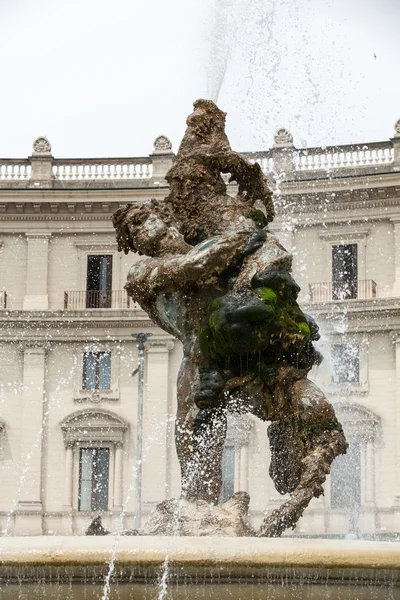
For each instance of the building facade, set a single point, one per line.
(69, 429)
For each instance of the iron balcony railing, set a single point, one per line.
(82, 299)
(363, 289)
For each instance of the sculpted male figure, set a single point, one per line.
(218, 280)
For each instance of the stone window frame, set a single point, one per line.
(93, 428)
(362, 425)
(362, 386)
(97, 396)
(86, 248)
(342, 237)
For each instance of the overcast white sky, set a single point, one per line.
(102, 78)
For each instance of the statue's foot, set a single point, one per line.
(315, 466)
(184, 517)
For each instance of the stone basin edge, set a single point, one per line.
(53, 551)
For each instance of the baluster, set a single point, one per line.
(108, 171)
(102, 173)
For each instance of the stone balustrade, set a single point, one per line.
(14, 169)
(102, 169)
(344, 157)
(281, 162)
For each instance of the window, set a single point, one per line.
(96, 371)
(346, 478)
(99, 281)
(93, 478)
(228, 473)
(346, 363)
(344, 271)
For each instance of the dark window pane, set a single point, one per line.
(344, 272)
(100, 479)
(89, 371)
(104, 371)
(346, 363)
(99, 281)
(93, 478)
(228, 473)
(346, 478)
(96, 371)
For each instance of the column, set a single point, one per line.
(367, 524)
(243, 470)
(117, 505)
(369, 474)
(67, 524)
(68, 476)
(396, 231)
(29, 506)
(155, 422)
(36, 292)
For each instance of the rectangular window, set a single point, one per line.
(346, 363)
(344, 272)
(228, 473)
(99, 281)
(346, 478)
(93, 478)
(96, 371)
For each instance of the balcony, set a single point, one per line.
(363, 289)
(3, 299)
(88, 299)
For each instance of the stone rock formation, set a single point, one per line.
(218, 279)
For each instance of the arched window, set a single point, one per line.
(93, 475)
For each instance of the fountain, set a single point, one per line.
(217, 278)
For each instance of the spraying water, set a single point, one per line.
(222, 35)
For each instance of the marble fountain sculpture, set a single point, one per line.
(217, 278)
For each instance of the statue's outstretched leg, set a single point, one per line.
(199, 436)
(304, 442)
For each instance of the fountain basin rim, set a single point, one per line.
(235, 553)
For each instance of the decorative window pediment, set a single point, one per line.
(359, 423)
(93, 426)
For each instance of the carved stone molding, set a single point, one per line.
(283, 138)
(344, 234)
(96, 397)
(41, 146)
(91, 426)
(359, 423)
(162, 145)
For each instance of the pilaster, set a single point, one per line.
(396, 429)
(29, 505)
(396, 284)
(155, 422)
(36, 292)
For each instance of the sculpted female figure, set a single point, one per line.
(217, 279)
